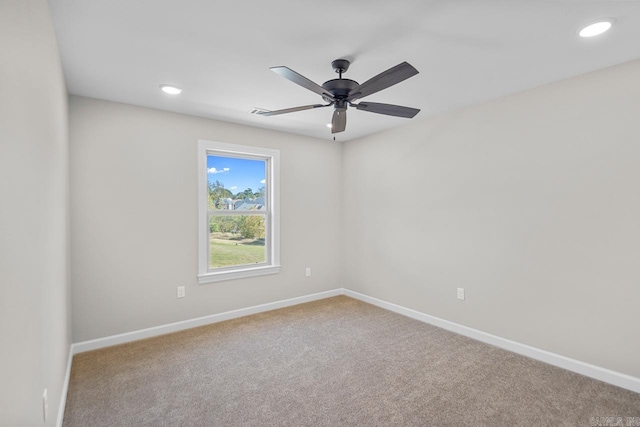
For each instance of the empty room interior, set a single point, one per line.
(363, 213)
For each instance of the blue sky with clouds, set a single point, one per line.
(236, 174)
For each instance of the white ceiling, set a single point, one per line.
(220, 51)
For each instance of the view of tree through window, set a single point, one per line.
(237, 211)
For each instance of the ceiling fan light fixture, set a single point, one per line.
(171, 90)
(596, 28)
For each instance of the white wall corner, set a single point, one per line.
(65, 388)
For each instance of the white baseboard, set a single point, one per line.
(612, 377)
(200, 321)
(65, 389)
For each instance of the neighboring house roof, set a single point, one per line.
(249, 205)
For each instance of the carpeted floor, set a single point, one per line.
(334, 362)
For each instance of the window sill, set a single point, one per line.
(237, 274)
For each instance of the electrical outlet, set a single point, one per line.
(45, 405)
(461, 293)
(308, 273)
(181, 292)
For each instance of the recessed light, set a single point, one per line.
(171, 90)
(596, 28)
(329, 125)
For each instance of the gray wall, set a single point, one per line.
(34, 306)
(134, 218)
(530, 202)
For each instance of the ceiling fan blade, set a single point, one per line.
(301, 80)
(388, 109)
(339, 120)
(291, 110)
(383, 80)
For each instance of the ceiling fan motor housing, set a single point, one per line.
(339, 88)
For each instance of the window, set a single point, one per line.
(238, 211)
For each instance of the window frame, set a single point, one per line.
(272, 213)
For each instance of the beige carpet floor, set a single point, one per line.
(334, 362)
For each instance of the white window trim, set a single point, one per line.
(273, 251)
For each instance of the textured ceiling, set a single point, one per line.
(219, 52)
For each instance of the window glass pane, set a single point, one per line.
(238, 215)
(236, 183)
(236, 240)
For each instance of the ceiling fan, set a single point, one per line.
(341, 93)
